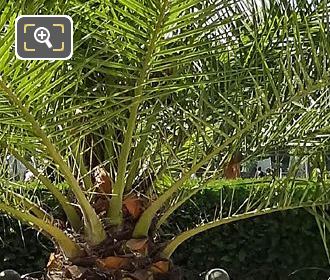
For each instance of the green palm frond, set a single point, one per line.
(166, 88)
(264, 199)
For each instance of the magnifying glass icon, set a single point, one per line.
(41, 35)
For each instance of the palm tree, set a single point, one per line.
(158, 91)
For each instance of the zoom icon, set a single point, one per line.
(43, 37)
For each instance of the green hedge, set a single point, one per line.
(22, 248)
(269, 247)
(266, 247)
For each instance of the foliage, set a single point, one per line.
(162, 89)
(269, 247)
(22, 248)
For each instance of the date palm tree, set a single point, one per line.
(159, 91)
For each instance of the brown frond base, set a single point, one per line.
(129, 266)
(119, 257)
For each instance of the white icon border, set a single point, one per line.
(44, 58)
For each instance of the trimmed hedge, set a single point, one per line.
(21, 247)
(268, 247)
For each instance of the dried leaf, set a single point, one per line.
(51, 259)
(134, 206)
(142, 275)
(84, 261)
(137, 245)
(160, 267)
(101, 204)
(112, 262)
(104, 182)
(92, 274)
(74, 271)
(54, 262)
